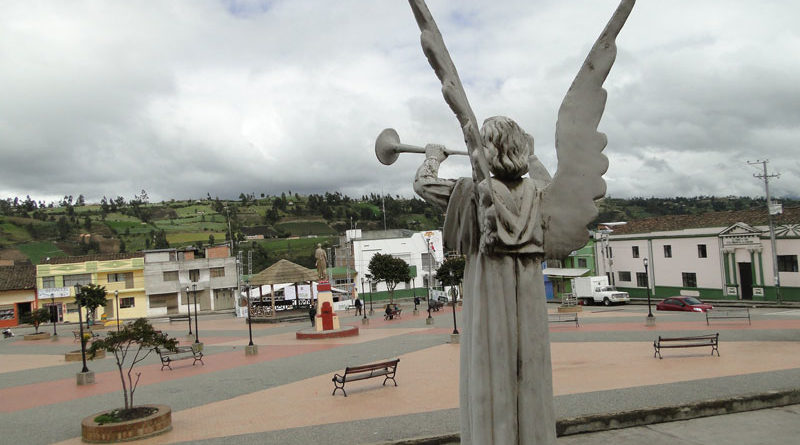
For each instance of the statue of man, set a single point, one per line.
(322, 262)
(506, 225)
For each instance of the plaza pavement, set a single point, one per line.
(283, 395)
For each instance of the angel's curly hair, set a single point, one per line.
(507, 146)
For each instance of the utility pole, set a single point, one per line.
(766, 177)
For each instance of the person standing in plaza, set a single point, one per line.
(358, 306)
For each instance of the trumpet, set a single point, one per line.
(388, 147)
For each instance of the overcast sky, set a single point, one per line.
(185, 98)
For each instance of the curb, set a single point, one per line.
(645, 416)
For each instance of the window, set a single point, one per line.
(641, 279)
(117, 277)
(217, 272)
(635, 251)
(701, 251)
(82, 279)
(667, 251)
(194, 275)
(582, 262)
(48, 282)
(171, 275)
(624, 276)
(787, 263)
(689, 279)
(72, 308)
(610, 252)
(127, 302)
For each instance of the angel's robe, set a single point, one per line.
(506, 377)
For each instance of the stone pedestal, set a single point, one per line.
(251, 350)
(85, 378)
(416, 311)
(365, 321)
(429, 320)
(455, 338)
(650, 321)
(326, 319)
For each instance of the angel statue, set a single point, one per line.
(506, 224)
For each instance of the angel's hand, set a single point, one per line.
(436, 152)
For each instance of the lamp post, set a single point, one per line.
(80, 324)
(454, 291)
(651, 320)
(196, 326)
(116, 300)
(363, 312)
(189, 310)
(369, 280)
(249, 322)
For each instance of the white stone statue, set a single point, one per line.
(506, 224)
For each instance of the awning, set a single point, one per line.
(564, 272)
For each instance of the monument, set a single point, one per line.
(506, 224)
(321, 262)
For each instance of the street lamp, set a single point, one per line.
(363, 312)
(369, 280)
(80, 326)
(454, 291)
(196, 326)
(249, 323)
(189, 310)
(651, 320)
(116, 299)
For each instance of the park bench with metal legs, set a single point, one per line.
(435, 305)
(564, 318)
(90, 335)
(710, 340)
(395, 313)
(728, 313)
(354, 373)
(182, 353)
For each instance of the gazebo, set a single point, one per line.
(284, 271)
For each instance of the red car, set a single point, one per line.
(688, 304)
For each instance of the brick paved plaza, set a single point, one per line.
(283, 394)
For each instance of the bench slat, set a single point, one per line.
(711, 340)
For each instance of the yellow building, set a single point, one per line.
(122, 274)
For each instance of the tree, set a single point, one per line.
(138, 338)
(390, 270)
(211, 239)
(37, 317)
(91, 296)
(451, 272)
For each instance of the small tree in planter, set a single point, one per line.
(91, 296)
(130, 346)
(451, 272)
(37, 317)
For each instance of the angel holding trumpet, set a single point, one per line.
(506, 224)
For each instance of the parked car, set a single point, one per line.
(688, 304)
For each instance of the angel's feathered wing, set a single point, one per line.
(568, 202)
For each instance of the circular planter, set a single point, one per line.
(39, 336)
(152, 425)
(75, 356)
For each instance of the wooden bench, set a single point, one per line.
(728, 313)
(564, 318)
(91, 335)
(711, 340)
(182, 353)
(435, 305)
(395, 313)
(354, 373)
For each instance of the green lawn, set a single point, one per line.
(39, 250)
(303, 228)
(183, 238)
(278, 246)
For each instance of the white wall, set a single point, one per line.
(409, 249)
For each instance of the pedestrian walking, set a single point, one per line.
(358, 306)
(312, 313)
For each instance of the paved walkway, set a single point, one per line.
(283, 395)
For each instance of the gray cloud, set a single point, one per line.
(186, 98)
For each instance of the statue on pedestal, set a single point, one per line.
(506, 225)
(322, 262)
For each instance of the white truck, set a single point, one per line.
(590, 290)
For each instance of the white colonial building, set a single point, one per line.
(421, 250)
(718, 255)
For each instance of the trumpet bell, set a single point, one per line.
(386, 146)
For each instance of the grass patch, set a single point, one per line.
(191, 237)
(304, 228)
(36, 251)
(280, 246)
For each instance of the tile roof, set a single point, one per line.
(667, 223)
(17, 277)
(97, 257)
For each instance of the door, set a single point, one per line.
(746, 279)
